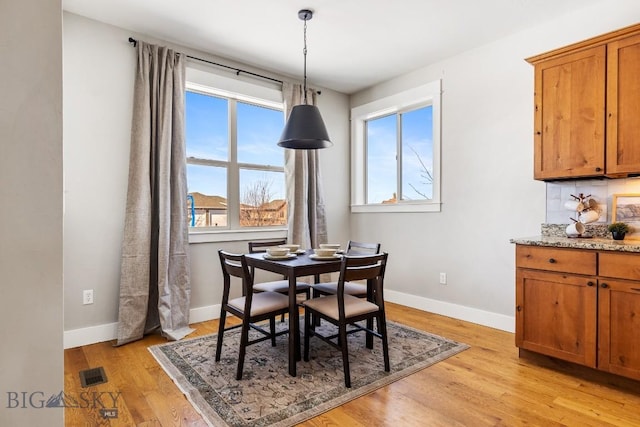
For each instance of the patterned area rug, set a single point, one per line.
(268, 396)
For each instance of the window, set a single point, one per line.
(235, 170)
(396, 152)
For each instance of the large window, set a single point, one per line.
(235, 170)
(396, 152)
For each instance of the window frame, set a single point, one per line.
(408, 100)
(208, 83)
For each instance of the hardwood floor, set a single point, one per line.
(486, 385)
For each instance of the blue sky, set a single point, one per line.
(259, 129)
(417, 134)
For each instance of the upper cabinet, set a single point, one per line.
(587, 108)
(623, 106)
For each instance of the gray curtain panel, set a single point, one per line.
(305, 196)
(155, 286)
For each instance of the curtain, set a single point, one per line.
(305, 196)
(154, 278)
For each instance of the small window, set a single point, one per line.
(396, 152)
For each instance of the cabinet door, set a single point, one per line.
(556, 315)
(619, 327)
(623, 107)
(570, 115)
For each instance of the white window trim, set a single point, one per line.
(215, 236)
(431, 93)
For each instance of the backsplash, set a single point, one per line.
(591, 230)
(601, 190)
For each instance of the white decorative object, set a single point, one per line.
(575, 230)
(586, 210)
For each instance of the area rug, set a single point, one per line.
(268, 396)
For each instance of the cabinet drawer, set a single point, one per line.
(553, 259)
(619, 265)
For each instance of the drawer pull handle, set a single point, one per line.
(604, 285)
(635, 289)
(590, 283)
(519, 308)
(598, 169)
(552, 261)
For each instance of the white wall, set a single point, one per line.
(99, 66)
(31, 211)
(488, 191)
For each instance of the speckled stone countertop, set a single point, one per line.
(596, 238)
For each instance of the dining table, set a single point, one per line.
(302, 264)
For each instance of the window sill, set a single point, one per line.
(214, 236)
(397, 208)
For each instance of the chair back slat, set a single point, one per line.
(235, 265)
(262, 246)
(367, 267)
(361, 268)
(362, 248)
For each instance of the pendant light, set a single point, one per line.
(305, 128)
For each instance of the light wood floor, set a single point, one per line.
(486, 385)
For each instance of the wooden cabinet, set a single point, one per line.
(569, 115)
(619, 327)
(579, 91)
(623, 107)
(619, 314)
(581, 306)
(557, 315)
(556, 311)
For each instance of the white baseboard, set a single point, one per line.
(90, 335)
(107, 332)
(202, 314)
(461, 312)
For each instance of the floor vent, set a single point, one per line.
(91, 377)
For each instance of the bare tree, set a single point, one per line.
(257, 208)
(425, 174)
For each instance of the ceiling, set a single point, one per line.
(352, 44)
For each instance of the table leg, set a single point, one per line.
(294, 327)
(369, 340)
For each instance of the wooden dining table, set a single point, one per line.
(294, 267)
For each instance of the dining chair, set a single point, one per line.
(280, 286)
(251, 308)
(342, 310)
(356, 289)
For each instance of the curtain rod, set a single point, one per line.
(237, 70)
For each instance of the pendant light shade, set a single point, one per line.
(305, 129)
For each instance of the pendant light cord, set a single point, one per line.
(304, 51)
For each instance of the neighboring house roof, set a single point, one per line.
(391, 200)
(274, 205)
(203, 201)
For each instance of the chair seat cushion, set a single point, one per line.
(281, 286)
(350, 288)
(263, 302)
(353, 306)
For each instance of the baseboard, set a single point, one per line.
(202, 314)
(90, 335)
(107, 332)
(461, 312)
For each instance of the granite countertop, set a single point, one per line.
(596, 238)
(596, 243)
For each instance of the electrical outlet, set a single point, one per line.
(443, 278)
(87, 296)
